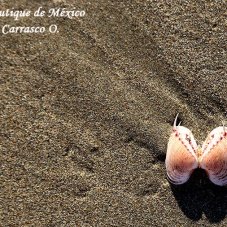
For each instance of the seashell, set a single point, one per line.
(214, 157)
(183, 155)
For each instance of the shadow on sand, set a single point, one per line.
(199, 196)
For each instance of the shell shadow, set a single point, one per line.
(199, 196)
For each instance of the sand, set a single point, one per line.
(86, 113)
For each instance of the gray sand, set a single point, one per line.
(86, 113)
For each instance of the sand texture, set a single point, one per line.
(85, 114)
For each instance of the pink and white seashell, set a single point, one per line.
(183, 155)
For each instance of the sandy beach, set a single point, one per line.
(86, 112)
